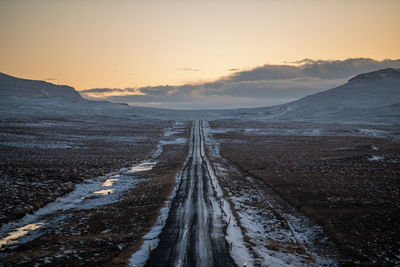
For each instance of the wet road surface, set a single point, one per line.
(194, 232)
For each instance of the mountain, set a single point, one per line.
(372, 97)
(373, 89)
(12, 86)
(368, 97)
(26, 99)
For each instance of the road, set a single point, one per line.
(194, 232)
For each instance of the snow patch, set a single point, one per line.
(373, 132)
(376, 158)
(140, 257)
(177, 128)
(239, 253)
(100, 191)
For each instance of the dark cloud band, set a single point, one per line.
(267, 84)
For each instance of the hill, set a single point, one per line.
(368, 97)
(12, 86)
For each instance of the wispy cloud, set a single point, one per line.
(104, 93)
(261, 86)
(188, 69)
(50, 79)
(233, 69)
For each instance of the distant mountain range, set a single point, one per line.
(372, 97)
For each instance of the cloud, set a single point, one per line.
(302, 61)
(188, 69)
(103, 90)
(324, 69)
(200, 102)
(104, 93)
(261, 86)
(288, 88)
(50, 79)
(233, 69)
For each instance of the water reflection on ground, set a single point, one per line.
(18, 233)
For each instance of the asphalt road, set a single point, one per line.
(194, 232)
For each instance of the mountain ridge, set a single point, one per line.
(13, 86)
(372, 97)
(379, 74)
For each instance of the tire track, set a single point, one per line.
(194, 234)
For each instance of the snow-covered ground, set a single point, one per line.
(151, 239)
(97, 192)
(169, 137)
(259, 128)
(92, 193)
(278, 234)
(240, 253)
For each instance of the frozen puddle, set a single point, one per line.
(170, 138)
(105, 192)
(375, 158)
(109, 182)
(100, 191)
(142, 167)
(18, 233)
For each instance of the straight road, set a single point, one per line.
(194, 232)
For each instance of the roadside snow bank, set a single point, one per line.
(239, 253)
(140, 257)
(279, 236)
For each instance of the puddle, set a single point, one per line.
(109, 182)
(18, 233)
(105, 192)
(101, 191)
(119, 182)
(142, 167)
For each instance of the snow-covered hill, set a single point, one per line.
(369, 97)
(23, 98)
(12, 86)
(372, 97)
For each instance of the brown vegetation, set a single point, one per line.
(107, 235)
(332, 180)
(39, 163)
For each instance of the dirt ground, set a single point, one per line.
(105, 235)
(348, 184)
(41, 160)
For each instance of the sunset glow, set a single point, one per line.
(119, 44)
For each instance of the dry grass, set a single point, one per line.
(108, 235)
(41, 161)
(332, 181)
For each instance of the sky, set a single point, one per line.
(147, 43)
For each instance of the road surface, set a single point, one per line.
(194, 232)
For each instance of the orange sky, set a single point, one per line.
(127, 43)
